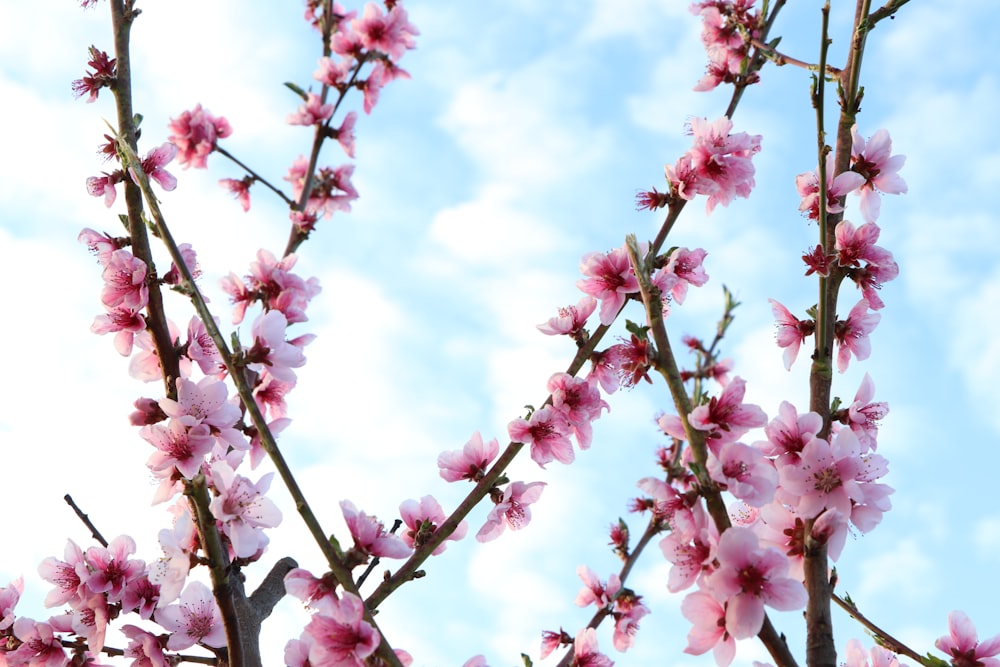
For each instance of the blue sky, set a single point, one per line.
(517, 147)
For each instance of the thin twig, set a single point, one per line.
(96, 534)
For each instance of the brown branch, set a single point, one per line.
(96, 534)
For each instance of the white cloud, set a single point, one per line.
(904, 571)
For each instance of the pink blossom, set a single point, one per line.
(422, 520)
(178, 543)
(857, 245)
(608, 278)
(40, 646)
(835, 476)
(101, 245)
(270, 350)
(141, 596)
(586, 652)
(791, 331)
(313, 112)
(709, 631)
(594, 591)
(477, 661)
(571, 319)
(624, 364)
(788, 433)
(511, 510)
(206, 403)
(837, 186)
(104, 186)
(745, 473)
(547, 432)
(195, 619)
(691, 552)
(102, 74)
(390, 33)
(334, 73)
(195, 134)
(331, 191)
(9, 595)
(687, 266)
(578, 401)
(723, 25)
(880, 170)
(177, 447)
(124, 322)
(239, 188)
(144, 648)
(963, 646)
(153, 166)
(69, 577)
(112, 569)
(242, 508)
(852, 335)
(628, 611)
(370, 536)
(863, 415)
(719, 163)
(470, 462)
(750, 577)
(302, 584)
(670, 505)
(856, 656)
(725, 418)
(553, 640)
(124, 282)
(340, 635)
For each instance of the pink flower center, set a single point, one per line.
(827, 480)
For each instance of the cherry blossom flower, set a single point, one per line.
(623, 364)
(687, 266)
(671, 506)
(863, 415)
(470, 462)
(331, 189)
(194, 619)
(40, 645)
(340, 635)
(270, 350)
(390, 33)
(511, 510)
(628, 611)
(144, 648)
(242, 508)
(691, 552)
(9, 595)
(313, 112)
(102, 74)
(547, 432)
(719, 163)
(153, 166)
(609, 279)
(586, 652)
(477, 661)
(708, 631)
(837, 187)
(334, 73)
(594, 591)
(963, 646)
(791, 331)
(239, 188)
(880, 170)
(345, 133)
(178, 544)
(177, 447)
(104, 186)
(101, 245)
(852, 335)
(745, 473)
(578, 401)
(422, 520)
(141, 595)
(726, 417)
(195, 134)
(302, 584)
(857, 245)
(122, 321)
(112, 569)
(856, 656)
(571, 319)
(749, 577)
(553, 640)
(370, 536)
(124, 281)
(788, 433)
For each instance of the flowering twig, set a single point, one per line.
(881, 636)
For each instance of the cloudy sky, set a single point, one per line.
(516, 147)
